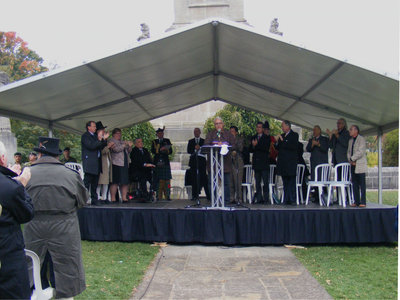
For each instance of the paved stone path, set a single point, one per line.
(217, 272)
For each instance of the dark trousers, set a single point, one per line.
(91, 181)
(264, 176)
(201, 179)
(47, 272)
(289, 188)
(359, 186)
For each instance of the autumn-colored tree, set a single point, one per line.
(16, 59)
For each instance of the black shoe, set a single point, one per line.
(168, 199)
(293, 204)
(106, 202)
(95, 203)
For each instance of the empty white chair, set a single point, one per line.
(76, 167)
(322, 176)
(344, 184)
(299, 183)
(272, 182)
(176, 192)
(248, 184)
(38, 293)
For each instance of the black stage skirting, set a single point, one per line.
(269, 225)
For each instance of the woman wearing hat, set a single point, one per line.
(120, 165)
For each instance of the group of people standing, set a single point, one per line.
(110, 163)
(284, 150)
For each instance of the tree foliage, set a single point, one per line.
(390, 156)
(143, 130)
(244, 119)
(16, 59)
(28, 134)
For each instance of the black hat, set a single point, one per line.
(17, 153)
(67, 149)
(100, 126)
(266, 125)
(48, 146)
(160, 130)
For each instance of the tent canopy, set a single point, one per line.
(211, 60)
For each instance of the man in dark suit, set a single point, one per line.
(161, 148)
(318, 147)
(339, 142)
(197, 164)
(287, 146)
(141, 165)
(260, 144)
(92, 145)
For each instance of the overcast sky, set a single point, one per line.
(66, 33)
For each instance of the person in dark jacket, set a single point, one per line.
(57, 193)
(339, 142)
(140, 167)
(92, 144)
(198, 166)
(287, 146)
(161, 148)
(260, 144)
(15, 209)
(318, 147)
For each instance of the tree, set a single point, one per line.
(390, 156)
(28, 134)
(143, 130)
(244, 119)
(16, 59)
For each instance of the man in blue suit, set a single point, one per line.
(92, 144)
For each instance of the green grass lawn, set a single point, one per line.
(388, 197)
(349, 272)
(366, 272)
(114, 269)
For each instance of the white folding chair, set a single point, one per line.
(248, 191)
(344, 184)
(76, 167)
(299, 179)
(321, 179)
(272, 182)
(299, 183)
(176, 192)
(38, 293)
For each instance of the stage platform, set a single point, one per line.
(170, 221)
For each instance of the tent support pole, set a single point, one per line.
(380, 166)
(50, 129)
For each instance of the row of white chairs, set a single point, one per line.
(321, 181)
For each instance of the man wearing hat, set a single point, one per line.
(66, 158)
(57, 193)
(161, 148)
(92, 144)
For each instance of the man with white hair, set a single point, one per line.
(15, 209)
(221, 136)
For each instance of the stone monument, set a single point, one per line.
(274, 27)
(180, 125)
(145, 32)
(190, 11)
(6, 136)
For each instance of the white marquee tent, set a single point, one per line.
(210, 60)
